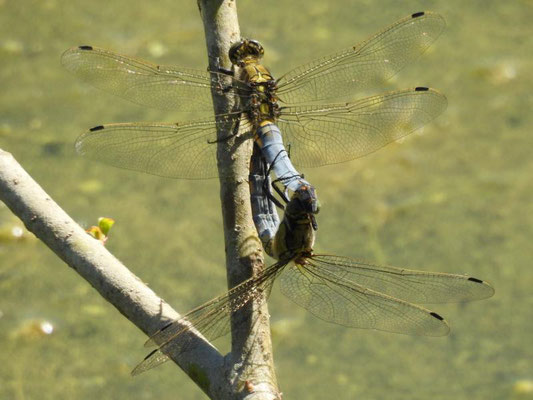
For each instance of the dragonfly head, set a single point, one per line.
(303, 206)
(307, 199)
(246, 51)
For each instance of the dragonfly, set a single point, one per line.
(318, 134)
(337, 289)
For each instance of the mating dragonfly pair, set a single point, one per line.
(336, 289)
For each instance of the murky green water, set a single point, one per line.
(454, 198)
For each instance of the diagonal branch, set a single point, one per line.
(89, 258)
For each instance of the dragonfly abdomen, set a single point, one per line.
(270, 140)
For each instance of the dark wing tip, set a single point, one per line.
(150, 354)
(136, 371)
(435, 315)
(486, 290)
(151, 342)
(421, 89)
(85, 47)
(96, 128)
(417, 14)
(166, 326)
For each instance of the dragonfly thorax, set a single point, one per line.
(262, 104)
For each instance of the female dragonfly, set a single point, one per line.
(318, 134)
(336, 289)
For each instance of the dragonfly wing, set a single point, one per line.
(409, 285)
(142, 82)
(212, 319)
(152, 360)
(367, 64)
(169, 150)
(347, 303)
(334, 133)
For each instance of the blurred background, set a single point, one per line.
(453, 197)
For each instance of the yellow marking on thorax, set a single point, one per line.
(266, 121)
(256, 73)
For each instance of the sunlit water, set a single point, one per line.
(455, 197)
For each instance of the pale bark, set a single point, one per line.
(92, 261)
(250, 363)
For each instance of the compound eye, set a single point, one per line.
(258, 48)
(236, 50)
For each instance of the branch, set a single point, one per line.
(250, 363)
(89, 258)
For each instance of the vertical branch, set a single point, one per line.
(250, 364)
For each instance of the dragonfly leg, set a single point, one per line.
(219, 69)
(221, 87)
(282, 193)
(235, 130)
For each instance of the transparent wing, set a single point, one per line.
(212, 319)
(334, 133)
(409, 285)
(344, 302)
(169, 150)
(363, 65)
(144, 83)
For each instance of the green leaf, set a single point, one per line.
(105, 224)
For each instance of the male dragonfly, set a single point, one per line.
(336, 289)
(318, 134)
